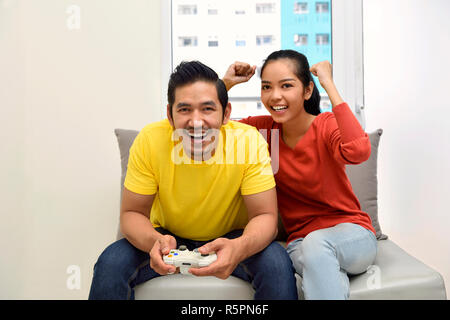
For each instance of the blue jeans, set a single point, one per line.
(325, 258)
(121, 267)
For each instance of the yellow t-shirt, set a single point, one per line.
(194, 199)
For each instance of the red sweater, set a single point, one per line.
(313, 189)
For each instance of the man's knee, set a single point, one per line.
(114, 258)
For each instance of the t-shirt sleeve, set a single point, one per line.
(140, 177)
(258, 175)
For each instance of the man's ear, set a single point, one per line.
(309, 90)
(227, 114)
(168, 115)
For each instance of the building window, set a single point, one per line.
(240, 43)
(213, 11)
(187, 41)
(322, 39)
(265, 40)
(213, 41)
(265, 8)
(301, 8)
(322, 7)
(187, 9)
(301, 39)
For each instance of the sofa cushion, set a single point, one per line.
(182, 287)
(397, 275)
(363, 178)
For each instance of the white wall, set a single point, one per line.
(407, 46)
(62, 93)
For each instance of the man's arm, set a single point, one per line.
(135, 225)
(260, 231)
(135, 222)
(262, 227)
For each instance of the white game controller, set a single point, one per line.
(185, 259)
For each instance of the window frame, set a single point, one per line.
(347, 52)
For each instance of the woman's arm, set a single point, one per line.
(324, 71)
(344, 135)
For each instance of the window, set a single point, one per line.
(322, 7)
(264, 40)
(306, 26)
(322, 39)
(301, 39)
(184, 9)
(213, 42)
(265, 8)
(240, 43)
(187, 41)
(301, 8)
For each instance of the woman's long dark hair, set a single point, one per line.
(312, 105)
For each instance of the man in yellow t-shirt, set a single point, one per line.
(201, 181)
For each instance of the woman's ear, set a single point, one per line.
(308, 91)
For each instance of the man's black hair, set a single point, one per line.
(188, 72)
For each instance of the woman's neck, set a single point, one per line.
(294, 129)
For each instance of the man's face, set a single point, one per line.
(197, 118)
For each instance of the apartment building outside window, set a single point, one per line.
(242, 31)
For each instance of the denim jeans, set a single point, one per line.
(326, 257)
(121, 267)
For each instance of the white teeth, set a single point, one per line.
(197, 135)
(278, 108)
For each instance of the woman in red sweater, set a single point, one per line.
(329, 237)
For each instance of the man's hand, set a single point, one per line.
(237, 73)
(228, 258)
(162, 247)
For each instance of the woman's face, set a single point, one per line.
(282, 93)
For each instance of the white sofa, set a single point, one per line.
(395, 274)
